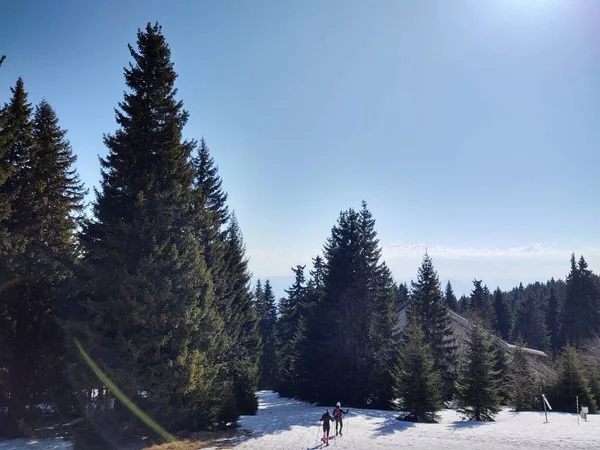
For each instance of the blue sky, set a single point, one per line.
(472, 127)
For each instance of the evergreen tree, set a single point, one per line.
(580, 316)
(242, 346)
(429, 307)
(40, 249)
(552, 321)
(530, 324)
(522, 382)
(450, 298)
(572, 382)
(384, 340)
(222, 243)
(480, 305)
(339, 346)
(478, 382)
(267, 314)
(503, 314)
(291, 311)
(502, 369)
(153, 326)
(302, 371)
(418, 385)
(402, 294)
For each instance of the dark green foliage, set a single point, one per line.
(503, 314)
(580, 316)
(531, 325)
(450, 298)
(552, 321)
(464, 305)
(222, 243)
(292, 311)
(241, 344)
(43, 199)
(267, 315)
(430, 309)
(383, 340)
(152, 321)
(572, 381)
(502, 369)
(344, 337)
(480, 305)
(478, 381)
(523, 392)
(418, 385)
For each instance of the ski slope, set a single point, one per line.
(283, 424)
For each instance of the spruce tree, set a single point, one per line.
(450, 298)
(429, 307)
(580, 316)
(503, 314)
(221, 241)
(241, 348)
(291, 311)
(267, 314)
(478, 381)
(339, 346)
(418, 385)
(384, 340)
(480, 305)
(502, 369)
(522, 385)
(39, 252)
(553, 321)
(153, 327)
(530, 324)
(572, 382)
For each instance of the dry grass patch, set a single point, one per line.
(201, 440)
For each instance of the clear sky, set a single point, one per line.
(472, 127)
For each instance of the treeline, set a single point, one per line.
(349, 333)
(545, 315)
(154, 286)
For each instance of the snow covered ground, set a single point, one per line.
(283, 424)
(35, 444)
(289, 424)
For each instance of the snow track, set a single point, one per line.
(283, 424)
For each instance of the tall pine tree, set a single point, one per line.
(267, 314)
(152, 321)
(344, 340)
(418, 385)
(222, 243)
(450, 298)
(580, 316)
(44, 203)
(530, 324)
(291, 310)
(430, 309)
(503, 314)
(522, 382)
(478, 397)
(553, 321)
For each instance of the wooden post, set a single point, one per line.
(577, 403)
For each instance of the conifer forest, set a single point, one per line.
(142, 303)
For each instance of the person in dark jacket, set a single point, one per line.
(326, 419)
(338, 413)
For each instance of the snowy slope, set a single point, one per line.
(289, 424)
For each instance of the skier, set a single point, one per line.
(338, 413)
(326, 418)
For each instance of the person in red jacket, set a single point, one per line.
(338, 413)
(326, 418)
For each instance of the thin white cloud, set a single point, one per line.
(526, 252)
(524, 263)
